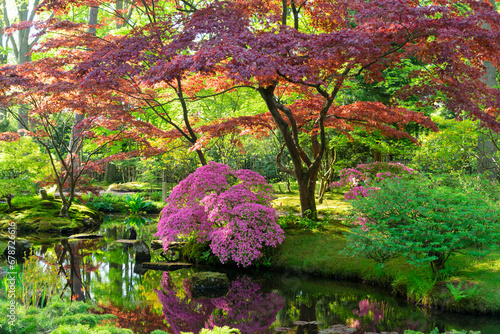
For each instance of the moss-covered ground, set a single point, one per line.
(471, 284)
(38, 215)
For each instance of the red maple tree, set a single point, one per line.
(299, 69)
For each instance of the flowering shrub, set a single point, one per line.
(229, 209)
(359, 178)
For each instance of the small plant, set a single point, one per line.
(137, 208)
(38, 285)
(308, 223)
(459, 293)
(287, 220)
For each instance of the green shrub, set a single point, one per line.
(308, 223)
(53, 316)
(423, 223)
(106, 203)
(436, 331)
(85, 329)
(136, 208)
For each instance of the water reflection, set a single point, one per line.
(245, 306)
(103, 271)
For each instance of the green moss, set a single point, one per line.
(133, 187)
(43, 216)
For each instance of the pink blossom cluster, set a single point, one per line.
(359, 191)
(229, 209)
(359, 178)
(363, 222)
(245, 307)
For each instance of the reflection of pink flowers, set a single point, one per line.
(353, 323)
(244, 307)
(183, 314)
(373, 310)
(229, 209)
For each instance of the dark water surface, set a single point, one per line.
(256, 301)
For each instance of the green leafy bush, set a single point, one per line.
(53, 316)
(436, 331)
(105, 202)
(424, 223)
(136, 208)
(85, 329)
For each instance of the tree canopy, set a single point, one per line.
(297, 56)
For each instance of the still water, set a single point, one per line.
(257, 301)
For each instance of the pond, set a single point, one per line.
(256, 301)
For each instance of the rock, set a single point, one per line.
(208, 280)
(85, 236)
(139, 269)
(43, 193)
(125, 241)
(174, 245)
(156, 244)
(141, 252)
(166, 266)
(22, 248)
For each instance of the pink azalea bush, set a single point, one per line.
(231, 210)
(359, 179)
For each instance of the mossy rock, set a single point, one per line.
(208, 284)
(43, 216)
(131, 187)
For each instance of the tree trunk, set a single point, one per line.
(110, 173)
(305, 170)
(8, 198)
(486, 149)
(307, 187)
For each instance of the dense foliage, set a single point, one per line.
(424, 223)
(358, 180)
(229, 209)
(22, 166)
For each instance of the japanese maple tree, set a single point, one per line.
(299, 71)
(298, 64)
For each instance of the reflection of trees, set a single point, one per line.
(333, 304)
(245, 307)
(71, 256)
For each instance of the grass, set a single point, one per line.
(333, 203)
(319, 251)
